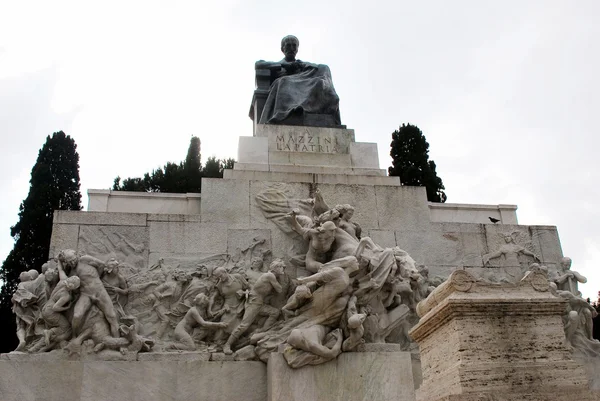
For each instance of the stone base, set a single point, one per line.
(353, 376)
(160, 380)
(503, 396)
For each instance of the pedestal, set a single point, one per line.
(353, 376)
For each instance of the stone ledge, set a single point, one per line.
(99, 218)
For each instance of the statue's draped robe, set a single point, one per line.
(309, 91)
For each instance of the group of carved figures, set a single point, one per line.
(352, 292)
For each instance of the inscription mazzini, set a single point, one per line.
(307, 142)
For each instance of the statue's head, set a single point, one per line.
(112, 264)
(51, 274)
(24, 276)
(201, 300)
(289, 47)
(69, 258)
(565, 263)
(277, 267)
(332, 215)
(256, 263)
(303, 292)
(220, 273)
(346, 211)
(33, 274)
(181, 275)
(72, 283)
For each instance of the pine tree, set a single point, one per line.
(177, 178)
(54, 185)
(410, 161)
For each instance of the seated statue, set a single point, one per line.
(297, 92)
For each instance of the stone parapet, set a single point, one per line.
(150, 380)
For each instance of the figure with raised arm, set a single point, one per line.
(88, 269)
(265, 285)
(510, 250)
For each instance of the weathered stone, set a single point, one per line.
(402, 208)
(379, 347)
(221, 357)
(352, 376)
(179, 356)
(221, 381)
(245, 354)
(503, 342)
(384, 238)
(252, 149)
(546, 243)
(129, 381)
(226, 201)
(364, 155)
(205, 237)
(64, 236)
(99, 218)
(41, 380)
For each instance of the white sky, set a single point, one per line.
(505, 92)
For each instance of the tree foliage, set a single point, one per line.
(182, 177)
(410, 162)
(54, 185)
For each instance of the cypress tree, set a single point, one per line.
(410, 162)
(54, 185)
(177, 178)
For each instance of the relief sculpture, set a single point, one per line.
(334, 292)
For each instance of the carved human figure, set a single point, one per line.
(196, 316)
(115, 285)
(300, 296)
(579, 317)
(510, 250)
(164, 297)
(320, 240)
(50, 272)
(231, 289)
(88, 269)
(354, 326)
(346, 212)
(265, 285)
(314, 340)
(567, 279)
(299, 87)
(256, 269)
(26, 307)
(58, 327)
(202, 283)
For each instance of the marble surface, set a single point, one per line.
(353, 376)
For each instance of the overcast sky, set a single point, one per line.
(505, 92)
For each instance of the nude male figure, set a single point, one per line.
(88, 269)
(265, 285)
(194, 317)
(320, 241)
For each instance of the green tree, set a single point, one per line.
(54, 185)
(410, 162)
(177, 177)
